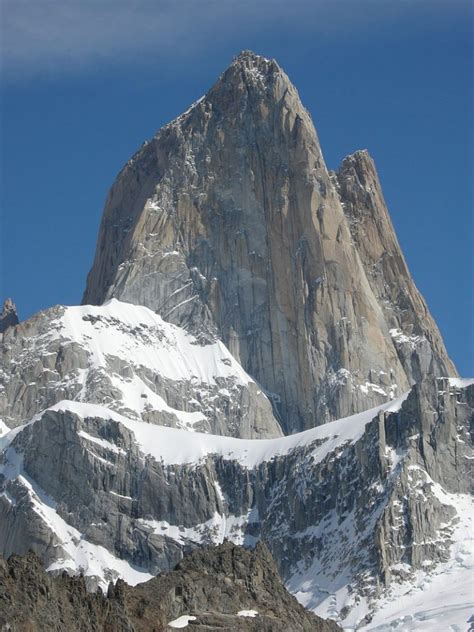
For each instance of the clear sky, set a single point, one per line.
(85, 82)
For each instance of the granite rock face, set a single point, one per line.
(210, 587)
(415, 334)
(351, 508)
(228, 223)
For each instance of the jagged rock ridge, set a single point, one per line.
(228, 223)
(209, 588)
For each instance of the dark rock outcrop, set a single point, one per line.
(211, 586)
(8, 317)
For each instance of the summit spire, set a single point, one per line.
(229, 224)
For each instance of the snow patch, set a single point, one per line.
(402, 338)
(140, 337)
(181, 622)
(247, 613)
(459, 382)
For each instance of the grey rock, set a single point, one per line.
(363, 514)
(228, 223)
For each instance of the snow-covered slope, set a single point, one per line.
(175, 447)
(170, 447)
(127, 358)
(440, 599)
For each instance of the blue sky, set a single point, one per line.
(85, 83)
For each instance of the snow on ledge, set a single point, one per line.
(181, 622)
(247, 613)
(173, 446)
(461, 382)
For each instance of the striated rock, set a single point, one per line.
(414, 332)
(210, 587)
(228, 223)
(8, 316)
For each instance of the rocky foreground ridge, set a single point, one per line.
(224, 588)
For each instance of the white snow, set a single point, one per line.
(438, 598)
(181, 622)
(460, 382)
(138, 365)
(137, 397)
(139, 336)
(439, 601)
(215, 531)
(372, 387)
(102, 442)
(174, 446)
(78, 554)
(247, 613)
(402, 338)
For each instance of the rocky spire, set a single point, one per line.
(416, 336)
(8, 317)
(228, 223)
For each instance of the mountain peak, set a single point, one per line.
(248, 58)
(252, 70)
(230, 226)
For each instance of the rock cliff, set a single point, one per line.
(228, 223)
(353, 511)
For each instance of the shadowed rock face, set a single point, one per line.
(228, 223)
(212, 586)
(8, 316)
